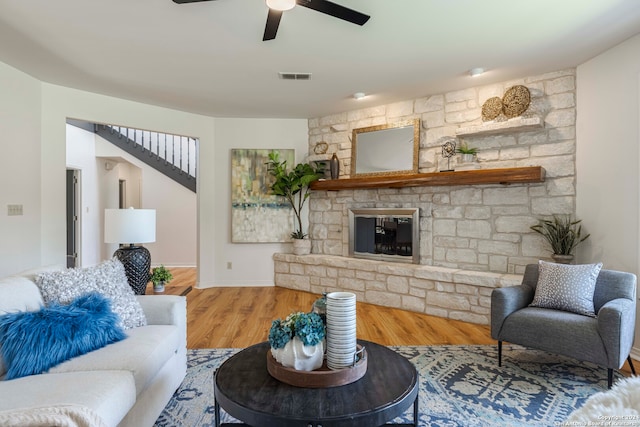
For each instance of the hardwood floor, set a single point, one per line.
(238, 317)
(241, 316)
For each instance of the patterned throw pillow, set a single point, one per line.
(566, 287)
(107, 278)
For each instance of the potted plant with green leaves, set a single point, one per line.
(293, 185)
(563, 234)
(466, 153)
(160, 276)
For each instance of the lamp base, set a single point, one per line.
(137, 264)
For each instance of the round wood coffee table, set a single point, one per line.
(244, 388)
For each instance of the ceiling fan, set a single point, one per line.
(277, 7)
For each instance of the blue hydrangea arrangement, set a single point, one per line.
(308, 327)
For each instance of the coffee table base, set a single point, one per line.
(313, 423)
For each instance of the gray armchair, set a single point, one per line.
(605, 340)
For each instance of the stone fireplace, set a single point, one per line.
(472, 238)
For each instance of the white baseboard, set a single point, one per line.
(177, 265)
(635, 353)
(232, 283)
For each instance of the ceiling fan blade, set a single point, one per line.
(273, 21)
(189, 1)
(335, 10)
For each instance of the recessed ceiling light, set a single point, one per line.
(359, 95)
(280, 4)
(476, 71)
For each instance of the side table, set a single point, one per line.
(244, 388)
(180, 290)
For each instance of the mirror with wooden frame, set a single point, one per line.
(389, 149)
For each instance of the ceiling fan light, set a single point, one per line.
(280, 5)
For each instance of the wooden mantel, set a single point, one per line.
(478, 176)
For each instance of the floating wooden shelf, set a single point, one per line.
(470, 177)
(517, 124)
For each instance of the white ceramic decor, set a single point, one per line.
(341, 329)
(298, 356)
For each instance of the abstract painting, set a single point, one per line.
(256, 215)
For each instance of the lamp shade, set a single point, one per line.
(129, 225)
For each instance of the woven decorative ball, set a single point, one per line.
(515, 101)
(321, 147)
(491, 108)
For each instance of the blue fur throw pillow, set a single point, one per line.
(33, 342)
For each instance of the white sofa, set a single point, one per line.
(127, 383)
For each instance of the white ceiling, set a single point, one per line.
(209, 57)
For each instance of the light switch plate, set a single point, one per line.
(14, 210)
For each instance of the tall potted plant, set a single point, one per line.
(293, 185)
(563, 234)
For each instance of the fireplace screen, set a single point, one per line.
(386, 234)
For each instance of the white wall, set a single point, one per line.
(252, 264)
(20, 104)
(608, 158)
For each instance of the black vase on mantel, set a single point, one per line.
(334, 166)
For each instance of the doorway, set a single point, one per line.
(122, 194)
(73, 223)
(113, 178)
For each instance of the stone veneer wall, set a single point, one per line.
(438, 291)
(477, 227)
(479, 232)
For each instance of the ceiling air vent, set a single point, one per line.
(294, 76)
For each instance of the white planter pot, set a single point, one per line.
(467, 158)
(301, 246)
(298, 356)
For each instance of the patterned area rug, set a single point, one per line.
(460, 386)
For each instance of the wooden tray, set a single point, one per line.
(320, 378)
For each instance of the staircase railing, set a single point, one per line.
(173, 155)
(177, 150)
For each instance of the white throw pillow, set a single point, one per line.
(566, 287)
(107, 278)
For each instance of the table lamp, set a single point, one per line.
(132, 227)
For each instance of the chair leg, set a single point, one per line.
(610, 371)
(499, 353)
(630, 360)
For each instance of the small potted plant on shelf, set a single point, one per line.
(160, 276)
(466, 153)
(293, 185)
(298, 341)
(563, 234)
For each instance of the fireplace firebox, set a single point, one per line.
(390, 234)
